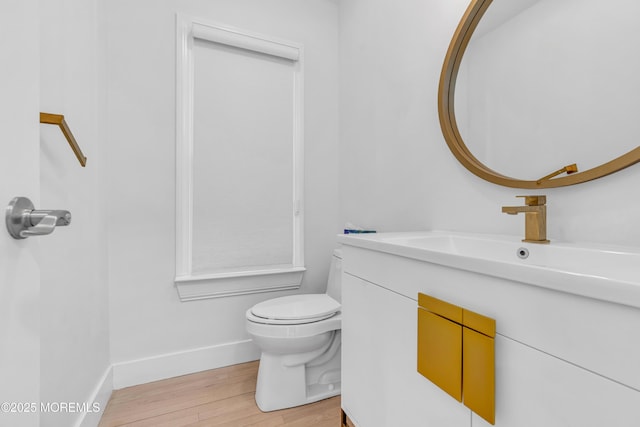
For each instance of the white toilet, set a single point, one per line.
(299, 337)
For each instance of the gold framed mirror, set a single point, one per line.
(553, 175)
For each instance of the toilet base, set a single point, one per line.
(281, 385)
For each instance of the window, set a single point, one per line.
(239, 162)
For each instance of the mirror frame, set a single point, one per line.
(446, 111)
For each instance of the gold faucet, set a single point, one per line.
(535, 218)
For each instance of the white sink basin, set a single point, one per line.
(603, 272)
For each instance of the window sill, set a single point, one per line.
(192, 288)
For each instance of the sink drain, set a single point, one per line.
(523, 253)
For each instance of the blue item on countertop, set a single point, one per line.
(355, 231)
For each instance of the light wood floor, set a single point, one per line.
(219, 397)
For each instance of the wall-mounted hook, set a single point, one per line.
(23, 220)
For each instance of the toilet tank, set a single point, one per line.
(334, 284)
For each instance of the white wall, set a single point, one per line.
(74, 293)
(396, 171)
(147, 319)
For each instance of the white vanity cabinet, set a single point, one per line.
(561, 360)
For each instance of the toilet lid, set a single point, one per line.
(297, 307)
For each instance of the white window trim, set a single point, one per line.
(202, 286)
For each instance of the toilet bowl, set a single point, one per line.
(299, 337)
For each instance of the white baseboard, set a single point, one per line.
(141, 371)
(99, 396)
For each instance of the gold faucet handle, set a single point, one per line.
(534, 200)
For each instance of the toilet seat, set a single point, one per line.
(259, 319)
(295, 309)
(258, 327)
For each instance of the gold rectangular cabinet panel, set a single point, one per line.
(440, 352)
(58, 119)
(478, 372)
(456, 352)
(478, 322)
(441, 308)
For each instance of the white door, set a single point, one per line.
(19, 176)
